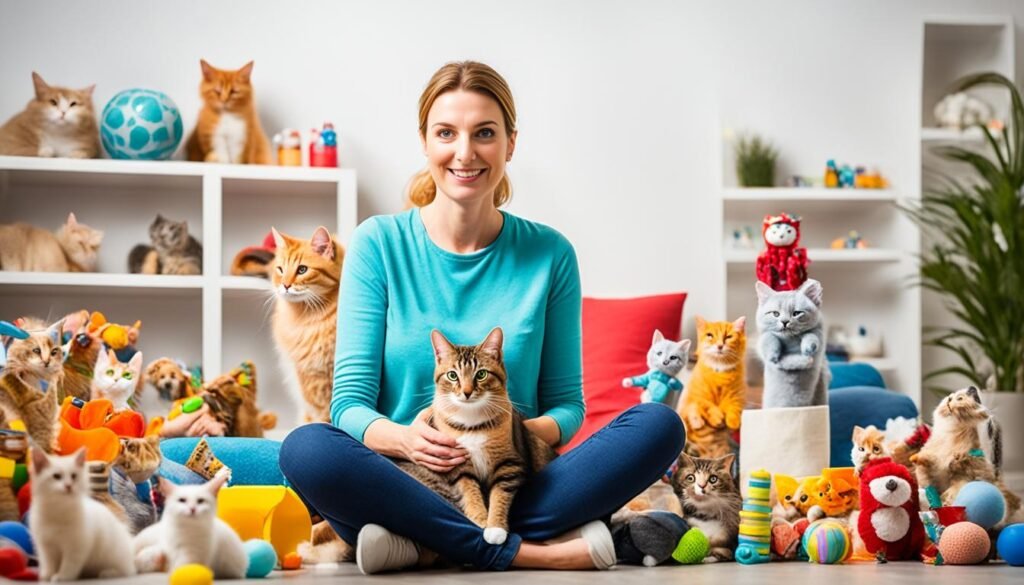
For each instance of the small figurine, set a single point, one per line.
(323, 147)
(782, 265)
(846, 176)
(743, 238)
(289, 147)
(831, 174)
(665, 360)
(852, 241)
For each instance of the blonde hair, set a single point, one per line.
(469, 76)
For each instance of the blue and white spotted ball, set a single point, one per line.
(140, 124)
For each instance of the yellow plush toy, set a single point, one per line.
(117, 337)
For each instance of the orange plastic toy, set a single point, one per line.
(97, 427)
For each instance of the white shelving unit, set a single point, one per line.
(214, 319)
(863, 287)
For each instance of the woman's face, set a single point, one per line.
(467, 145)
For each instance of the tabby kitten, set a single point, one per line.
(711, 501)
(717, 390)
(57, 122)
(73, 248)
(953, 455)
(471, 403)
(228, 129)
(306, 275)
(34, 364)
(174, 250)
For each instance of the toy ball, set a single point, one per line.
(262, 558)
(1010, 545)
(964, 543)
(827, 542)
(985, 504)
(17, 533)
(140, 124)
(192, 575)
(693, 547)
(12, 561)
(291, 561)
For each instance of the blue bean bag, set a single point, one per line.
(252, 461)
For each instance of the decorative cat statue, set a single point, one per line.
(665, 359)
(57, 122)
(792, 346)
(228, 130)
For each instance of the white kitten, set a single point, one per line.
(75, 536)
(190, 532)
(115, 381)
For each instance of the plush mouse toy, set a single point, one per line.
(889, 522)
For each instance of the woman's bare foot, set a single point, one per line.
(571, 555)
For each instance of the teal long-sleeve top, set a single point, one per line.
(397, 285)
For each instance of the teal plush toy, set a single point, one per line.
(665, 359)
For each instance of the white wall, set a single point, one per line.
(621, 103)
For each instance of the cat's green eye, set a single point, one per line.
(453, 376)
(110, 372)
(713, 479)
(127, 375)
(481, 375)
(302, 269)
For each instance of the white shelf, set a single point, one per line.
(970, 135)
(179, 168)
(798, 194)
(823, 255)
(100, 280)
(244, 283)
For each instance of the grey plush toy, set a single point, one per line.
(654, 537)
(792, 346)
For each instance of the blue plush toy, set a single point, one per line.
(665, 359)
(12, 331)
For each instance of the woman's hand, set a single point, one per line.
(429, 447)
(545, 428)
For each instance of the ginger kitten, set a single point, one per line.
(868, 445)
(57, 122)
(74, 247)
(228, 129)
(306, 275)
(717, 391)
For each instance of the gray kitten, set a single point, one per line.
(666, 359)
(792, 346)
(173, 251)
(711, 501)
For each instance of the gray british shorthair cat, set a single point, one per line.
(792, 346)
(666, 359)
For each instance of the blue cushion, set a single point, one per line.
(252, 461)
(861, 405)
(845, 374)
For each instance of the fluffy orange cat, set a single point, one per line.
(228, 130)
(306, 274)
(717, 390)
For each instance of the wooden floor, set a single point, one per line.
(727, 573)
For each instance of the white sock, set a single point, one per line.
(378, 550)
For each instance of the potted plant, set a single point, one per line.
(755, 162)
(976, 264)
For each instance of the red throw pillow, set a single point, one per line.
(616, 336)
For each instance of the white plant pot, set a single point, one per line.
(1008, 408)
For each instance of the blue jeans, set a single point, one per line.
(349, 486)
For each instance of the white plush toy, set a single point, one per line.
(960, 111)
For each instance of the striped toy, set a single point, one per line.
(755, 521)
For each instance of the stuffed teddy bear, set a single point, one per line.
(889, 523)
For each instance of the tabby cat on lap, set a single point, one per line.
(306, 275)
(471, 403)
(711, 501)
(228, 129)
(57, 122)
(174, 250)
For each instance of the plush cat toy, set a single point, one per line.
(889, 523)
(665, 359)
(782, 265)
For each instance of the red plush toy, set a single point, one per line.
(889, 523)
(782, 265)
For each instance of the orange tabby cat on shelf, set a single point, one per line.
(713, 401)
(228, 130)
(305, 275)
(57, 122)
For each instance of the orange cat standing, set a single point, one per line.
(228, 130)
(713, 401)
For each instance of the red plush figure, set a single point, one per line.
(889, 523)
(782, 265)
